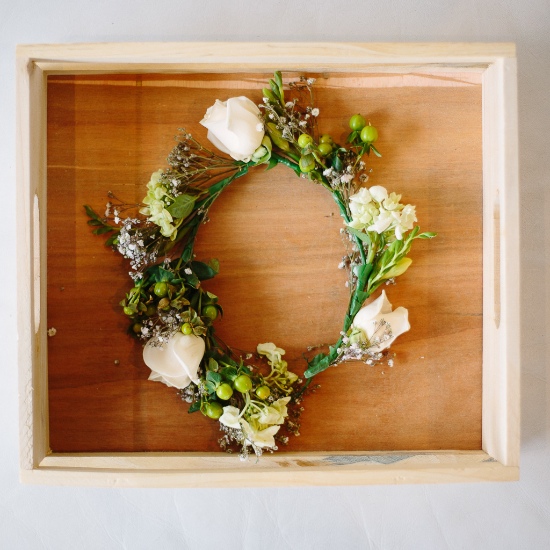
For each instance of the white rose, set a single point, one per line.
(176, 363)
(234, 127)
(368, 320)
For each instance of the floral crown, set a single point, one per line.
(255, 397)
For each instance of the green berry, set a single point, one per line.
(325, 149)
(137, 328)
(242, 383)
(307, 163)
(186, 328)
(325, 138)
(161, 289)
(211, 312)
(214, 410)
(151, 310)
(304, 140)
(263, 392)
(357, 122)
(224, 391)
(369, 134)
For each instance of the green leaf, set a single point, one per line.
(182, 206)
(398, 269)
(102, 230)
(229, 373)
(203, 271)
(318, 364)
(210, 387)
(277, 137)
(363, 271)
(213, 365)
(111, 240)
(214, 377)
(160, 275)
(196, 406)
(278, 79)
(92, 213)
(272, 163)
(337, 164)
(275, 89)
(95, 222)
(270, 95)
(427, 235)
(132, 307)
(357, 302)
(375, 151)
(359, 234)
(187, 252)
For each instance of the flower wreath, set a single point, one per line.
(174, 315)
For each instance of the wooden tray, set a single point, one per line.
(104, 117)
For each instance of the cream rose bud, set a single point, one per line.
(234, 127)
(176, 363)
(368, 320)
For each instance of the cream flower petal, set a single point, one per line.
(242, 120)
(176, 363)
(230, 417)
(233, 127)
(378, 193)
(260, 438)
(382, 222)
(362, 196)
(368, 320)
(188, 351)
(179, 382)
(380, 305)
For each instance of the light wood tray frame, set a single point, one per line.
(499, 457)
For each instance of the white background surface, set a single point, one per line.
(472, 516)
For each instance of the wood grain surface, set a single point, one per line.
(278, 241)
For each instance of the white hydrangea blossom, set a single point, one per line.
(156, 207)
(375, 210)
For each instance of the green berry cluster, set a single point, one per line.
(171, 295)
(228, 382)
